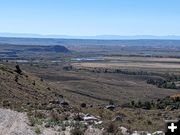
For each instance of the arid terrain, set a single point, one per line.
(117, 86)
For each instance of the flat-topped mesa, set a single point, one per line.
(56, 48)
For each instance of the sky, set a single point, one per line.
(90, 17)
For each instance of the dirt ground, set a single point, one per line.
(14, 123)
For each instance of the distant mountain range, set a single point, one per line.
(111, 37)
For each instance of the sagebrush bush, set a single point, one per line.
(111, 127)
(77, 131)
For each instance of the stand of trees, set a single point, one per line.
(166, 103)
(162, 83)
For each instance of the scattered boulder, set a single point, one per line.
(158, 133)
(141, 133)
(118, 118)
(64, 103)
(46, 125)
(110, 107)
(88, 117)
(78, 117)
(123, 130)
(50, 106)
(93, 131)
(61, 96)
(98, 123)
(171, 107)
(54, 101)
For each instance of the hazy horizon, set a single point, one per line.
(103, 37)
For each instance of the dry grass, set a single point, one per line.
(28, 91)
(142, 59)
(127, 65)
(135, 63)
(90, 88)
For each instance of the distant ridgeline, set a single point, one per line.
(64, 42)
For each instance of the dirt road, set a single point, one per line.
(14, 123)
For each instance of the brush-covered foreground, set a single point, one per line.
(86, 89)
(70, 106)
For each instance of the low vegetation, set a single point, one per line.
(166, 103)
(57, 94)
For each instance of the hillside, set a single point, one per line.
(23, 89)
(86, 110)
(42, 92)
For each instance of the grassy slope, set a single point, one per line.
(26, 89)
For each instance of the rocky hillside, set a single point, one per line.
(49, 113)
(19, 88)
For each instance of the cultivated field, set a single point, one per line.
(151, 64)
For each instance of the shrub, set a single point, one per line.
(83, 105)
(149, 122)
(42, 79)
(37, 130)
(18, 70)
(105, 114)
(111, 127)
(54, 116)
(77, 131)
(111, 102)
(40, 115)
(32, 121)
(132, 103)
(67, 68)
(16, 78)
(139, 104)
(147, 105)
(176, 99)
(34, 83)
(5, 103)
(173, 85)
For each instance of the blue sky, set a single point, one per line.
(91, 17)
